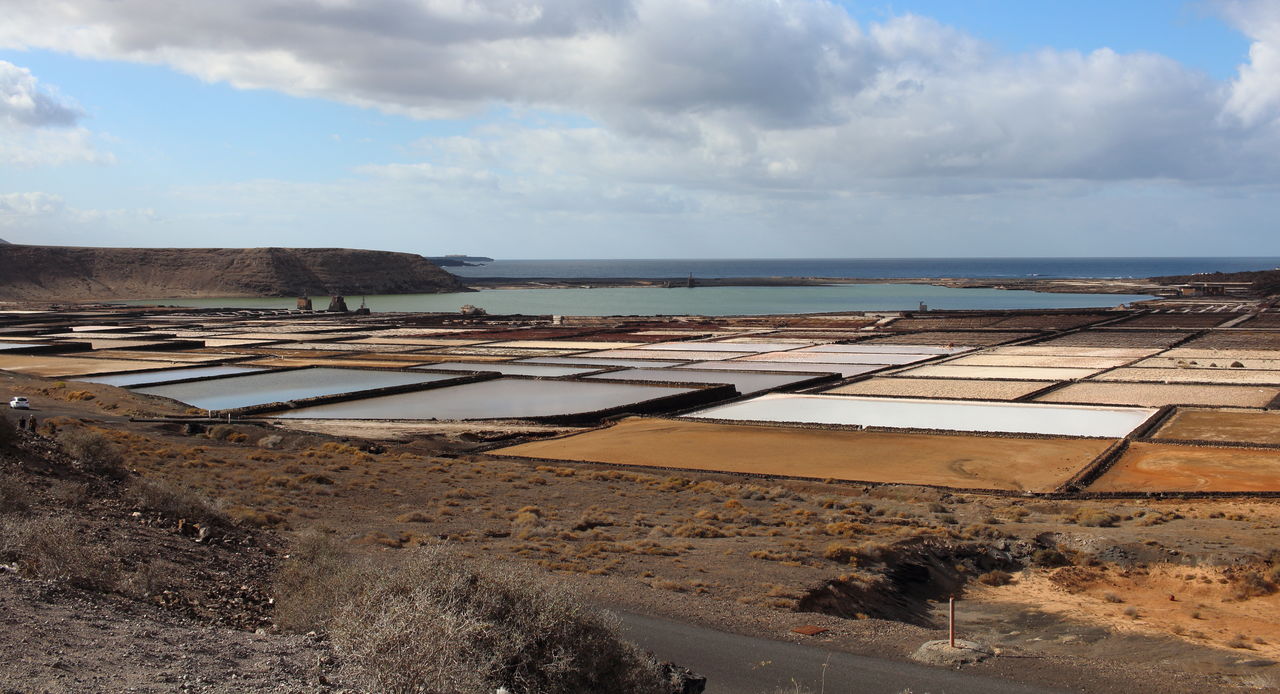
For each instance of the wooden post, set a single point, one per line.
(951, 621)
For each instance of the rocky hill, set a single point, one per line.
(65, 273)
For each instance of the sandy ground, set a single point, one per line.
(939, 388)
(1159, 467)
(1184, 601)
(1222, 425)
(1211, 362)
(1159, 394)
(957, 461)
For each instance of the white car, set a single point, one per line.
(20, 403)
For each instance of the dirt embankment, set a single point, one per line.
(65, 273)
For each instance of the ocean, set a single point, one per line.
(872, 268)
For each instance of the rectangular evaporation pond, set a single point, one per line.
(1036, 361)
(166, 375)
(503, 398)
(681, 355)
(845, 370)
(1012, 373)
(967, 462)
(721, 346)
(840, 357)
(1042, 350)
(51, 367)
(949, 415)
(602, 363)
(943, 388)
(1232, 426)
(1228, 354)
(1161, 394)
(582, 346)
(744, 381)
(887, 349)
(21, 345)
(417, 341)
(1224, 376)
(511, 369)
(282, 386)
(1167, 467)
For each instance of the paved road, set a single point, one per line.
(732, 665)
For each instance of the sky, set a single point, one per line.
(645, 128)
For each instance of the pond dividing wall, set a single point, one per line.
(950, 415)
(512, 369)
(282, 386)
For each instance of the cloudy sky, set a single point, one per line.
(645, 128)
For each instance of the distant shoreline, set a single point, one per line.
(1053, 286)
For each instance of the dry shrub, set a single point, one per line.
(79, 395)
(94, 451)
(15, 497)
(698, 530)
(413, 517)
(8, 433)
(842, 553)
(996, 578)
(1094, 518)
(177, 503)
(439, 623)
(1049, 558)
(55, 549)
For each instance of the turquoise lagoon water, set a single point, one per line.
(707, 301)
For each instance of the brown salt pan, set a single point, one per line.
(970, 462)
(1240, 426)
(1161, 467)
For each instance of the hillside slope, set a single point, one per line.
(65, 273)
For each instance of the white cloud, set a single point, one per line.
(772, 94)
(38, 126)
(29, 217)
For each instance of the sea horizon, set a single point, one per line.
(1119, 267)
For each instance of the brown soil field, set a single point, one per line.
(1210, 376)
(1117, 338)
(53, 367)
(940, 388)
(1236, 426)
(1237, 339)
(1177, 320)
(1263, 320)
(945, 323)
(1160, 394)
(982, 339)
(969, 462)
(1166, 467)
(1051, 321)
(1044, 360)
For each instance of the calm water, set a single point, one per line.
(954, 415)
(874, 268)
(707, 301)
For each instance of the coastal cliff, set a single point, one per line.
(66, 273)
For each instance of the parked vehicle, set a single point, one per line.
(20, 403)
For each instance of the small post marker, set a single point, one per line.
(951, 621)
